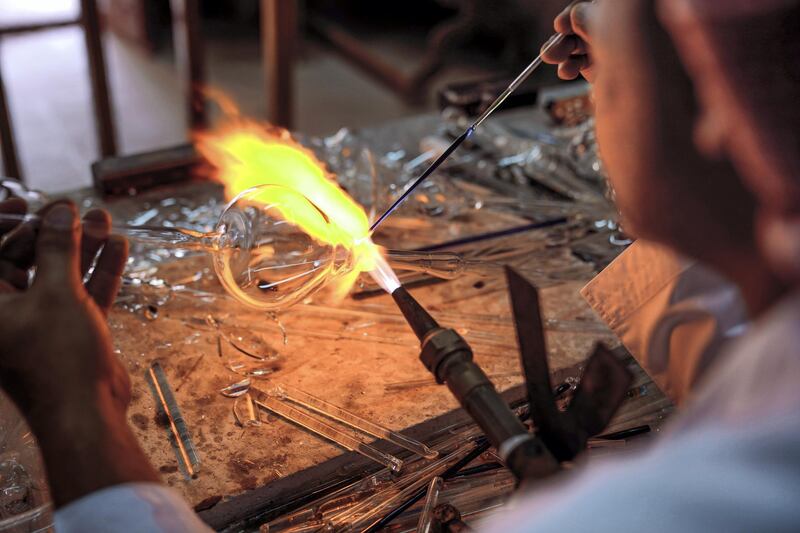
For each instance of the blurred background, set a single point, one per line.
(313, 66)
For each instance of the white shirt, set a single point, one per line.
(672, 314)
(129, 508)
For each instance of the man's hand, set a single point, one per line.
(573, 55)
(55, 347)
(56, 356)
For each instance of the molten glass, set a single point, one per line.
(246, 156)
(273, 247)
(266, 259)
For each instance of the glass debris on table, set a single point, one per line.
(370, 511)
(431, 501)
(317, 415)
(564, 164)
(329, 410)
(252, 370)
(478, 490)
(565, 159)
(365, 502)
(484, 189)
(243, 342)
(316, 425)
(234, 390)
(245, 411)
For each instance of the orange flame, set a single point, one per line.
(245, 153)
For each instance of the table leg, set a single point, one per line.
(278, 38)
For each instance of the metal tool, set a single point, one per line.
(449, 358)
(559, 436)
(600, 391)
(513, 86)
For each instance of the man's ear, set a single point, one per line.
(710, 134)
(779, 239)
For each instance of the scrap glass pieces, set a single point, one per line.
(324, 430)
(252, 370)
(246, 343)
(349, 418)
(245, 411)
(234, 390)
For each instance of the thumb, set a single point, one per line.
(57, 253)
(581, 18)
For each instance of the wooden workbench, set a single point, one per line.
(346, 352)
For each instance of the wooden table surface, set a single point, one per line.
(345, 352)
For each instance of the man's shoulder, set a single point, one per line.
(760, 373)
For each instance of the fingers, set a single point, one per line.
(13, 277)
(576, 20)
(16, 250)
(19, 246)
(581, 19)
(57, 252)
(563, 21)
(106, 278)
(563, 50)
(573, 53)
(96, 229)
(573, 67)
(13, 207)
(121, 387)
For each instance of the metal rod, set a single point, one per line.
(513, 86)
(520, 79)
(176, 423)
(433, 166)
(493, 235)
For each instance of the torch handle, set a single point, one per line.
(449, 358)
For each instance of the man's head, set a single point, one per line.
(744, 56)
(667, 190)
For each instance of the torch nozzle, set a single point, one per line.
(417, 317)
